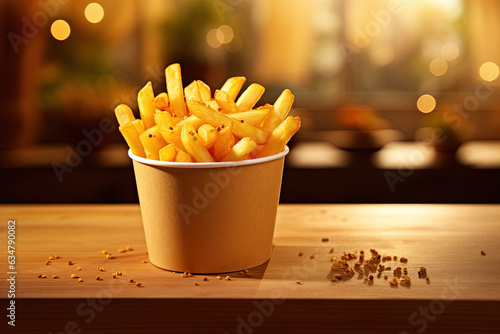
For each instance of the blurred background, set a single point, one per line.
(399, 99)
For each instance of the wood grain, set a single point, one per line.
(462, 293)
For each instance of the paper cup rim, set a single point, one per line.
(256, 161)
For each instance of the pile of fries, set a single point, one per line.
(189, 125)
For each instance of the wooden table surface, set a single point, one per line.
(461, 295)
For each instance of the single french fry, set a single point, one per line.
(208, 135)
(193, 145)
(250, 97)
(168, 153)
(224, 141)
(241, 150)
(164, 119)
(152, 141)
(225, 102)
(281, 109)
(280, 136)
(192, 92)
(252, 117)
(162, 102)
(129, 132)
(175, 91)
(233, 85)
(240, 129)
(183, 156)
(205, 92)
(138, 125)
(145, 100)
(124, 114)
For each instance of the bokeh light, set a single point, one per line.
(225, 34)
(60, 30)
(94, 12)
(438, 67)
(212, 39)
(450, 51)
(426, 103)
(489, 71)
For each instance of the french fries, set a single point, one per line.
(225, 102)
(250, 97)
(205, 91)
(280, 136)
(146, 103)
(192, 92)
(168, 153)
(124, 114)
(174, 90)
(152, 141)
(224, 141)
(215, 118)
(193, 145)
(252, 117)
(189, 125)
(183, 156)
(208, 135)
(161, 101)
(241, 151)
(131, 135)
(280, 110)
(232, 86)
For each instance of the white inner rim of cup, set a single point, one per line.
(208, 164)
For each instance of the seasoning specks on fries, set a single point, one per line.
(189, 125)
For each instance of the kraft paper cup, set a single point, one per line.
(209, 217)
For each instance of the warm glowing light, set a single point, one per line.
(236, 44)
(438, 66)
(426, 103)
(489, 71)
(212, 40)
(382, 56)
(94, 12)
(225, 34)
(60, 30)
(450, 51)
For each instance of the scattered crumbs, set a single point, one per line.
(144, 261)
(301, 253)
(325, 239)
(47, 262)
(55, 276)
(218, 277)
(80, 280)
(331, 250)
(196, 283)
(70, 263)
(483, 252)
(298, 282)
(205, 278)
(312, 256)
(78, 268)
(228, 278)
